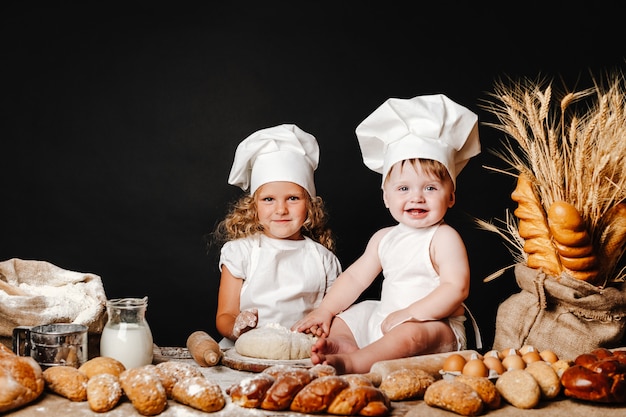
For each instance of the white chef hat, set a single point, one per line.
(280, 153)
(428, 127)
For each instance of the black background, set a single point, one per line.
(120, 123)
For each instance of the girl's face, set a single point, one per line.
(282, 209)
(416, 198)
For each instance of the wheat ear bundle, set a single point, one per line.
(569, 153)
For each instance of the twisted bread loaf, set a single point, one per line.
(21, 379)
(598, 376)
(304, 391)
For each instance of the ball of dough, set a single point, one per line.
(275, 342)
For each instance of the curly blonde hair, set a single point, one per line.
(242, 221)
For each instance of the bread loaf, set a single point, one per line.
(171, 372)
(455, 396)
(103, 392)
(285, 388)
(21, 379)
(144, 389)
(66, 381)
(572, 241)
(598, 376)
(533, 228)
(200, 393)
(485, 389)
(406, 384)
(102, 365)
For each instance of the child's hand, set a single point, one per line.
(394, 319)
(245, 321)
(317, 323)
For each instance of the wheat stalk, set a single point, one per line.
(575, 150)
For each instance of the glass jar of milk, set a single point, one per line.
(126, 335)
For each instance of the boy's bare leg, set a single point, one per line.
(407, 339)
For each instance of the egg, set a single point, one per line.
(531, 356)
(494, 353)
(454, 363)
(513, 362)
(475, 367)
(525, 349)
(548, 356)
(508, 352)
(495, 364)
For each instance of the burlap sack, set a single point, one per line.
(565, 315)
(37, 292)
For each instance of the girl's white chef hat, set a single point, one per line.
(280, 153)
(428, 127)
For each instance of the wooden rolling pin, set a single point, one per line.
(204, 349)
(431, 363)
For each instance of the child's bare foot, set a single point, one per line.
(327, 346)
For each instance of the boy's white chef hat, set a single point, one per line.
(428, 127)
(280, 153)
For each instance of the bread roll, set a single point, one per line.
(67, 381)
(455, 396)
(171, 372)
(519, 388)
(284, 389)
(364, 400)
(318, 394)
(103, 392)
(406, 384)
(21, 379)
(547, 378)
(485, 389)
(102, 365)
(249, 392)
(144, 389)
(200, 393)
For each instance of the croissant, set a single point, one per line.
(303, 391)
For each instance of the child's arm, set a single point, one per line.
(230, 321)
(347, 288)
(449, 257)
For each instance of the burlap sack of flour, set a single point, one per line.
(565, 315)
(37, 292)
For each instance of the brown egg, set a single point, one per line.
(531, 356)
(454, 363)
(475, 367)
(493, 363)
(508, 352)
(513, 362)
(548, 356)
(525, 349)
(493, 353)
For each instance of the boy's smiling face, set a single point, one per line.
(415, 197)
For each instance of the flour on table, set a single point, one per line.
(275, 342)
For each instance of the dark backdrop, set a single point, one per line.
(120, 124)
